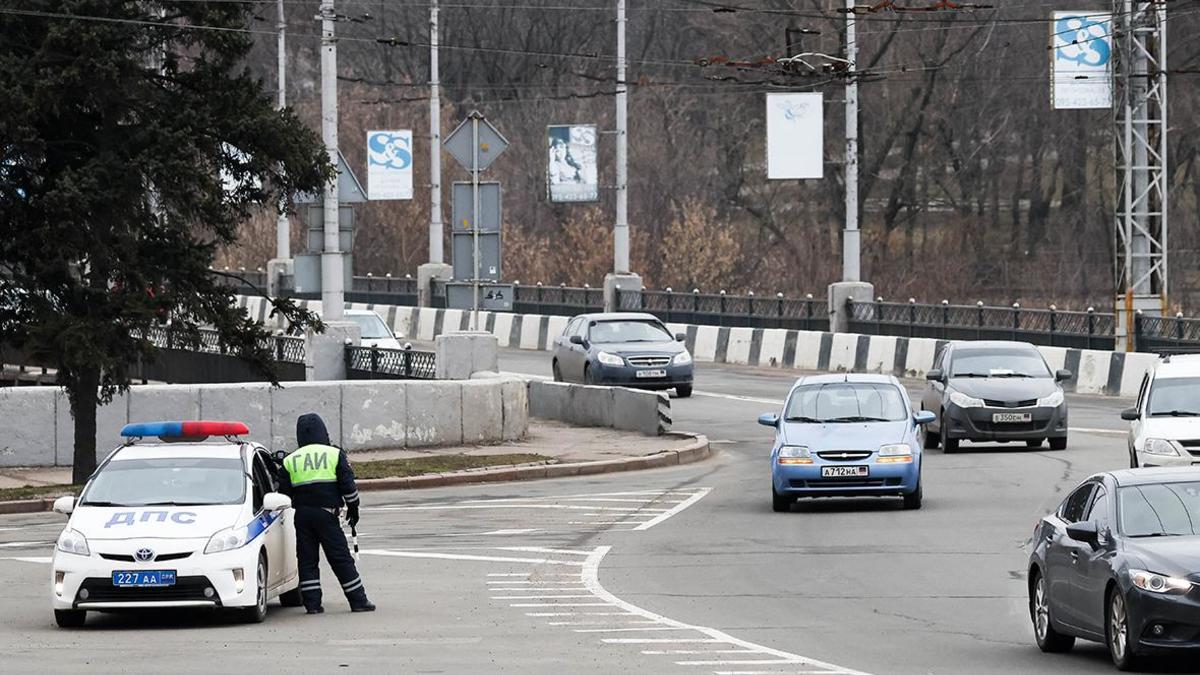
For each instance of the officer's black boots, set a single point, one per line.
(364, 606)
(316, 610)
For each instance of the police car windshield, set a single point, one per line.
(192, 481)
(1175, 397)
(371, 325)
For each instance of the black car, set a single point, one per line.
(624, 349)
(994, 391)
(1119, 563)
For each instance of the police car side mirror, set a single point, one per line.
(274, 501)
(64, 505)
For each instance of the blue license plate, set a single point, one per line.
(144, 578)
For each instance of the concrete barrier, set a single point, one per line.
(645, 412)
(36, 428)
(1096, 372)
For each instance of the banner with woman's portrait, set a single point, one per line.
(571, 174)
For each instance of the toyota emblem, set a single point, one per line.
(144, 555)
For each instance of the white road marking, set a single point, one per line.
(29, 559)
(1108, 432)
(470, 507)
(463, 556)
(508, 574)
(538, 597)
(25, 544)
(605, 522)
(734, 397)
(593, 623)
(473, 534)
(631, 630)
(558, 604)
(535, 549)
(697, 651)
(591, 577)
(678, 507)
(638, 641)
(747, 662)
(549, 613)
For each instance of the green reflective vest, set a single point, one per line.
(312, 464)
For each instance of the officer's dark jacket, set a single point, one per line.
(317, 473)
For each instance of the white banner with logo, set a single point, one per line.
(389, 164)
(571, 174)
(1081, 60)
(795, 136)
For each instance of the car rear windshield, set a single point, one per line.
(608, 332)
(1176, 396)
(846, 402)
(1159, 510)
(191, 481)
(372, 327)
(998, 363)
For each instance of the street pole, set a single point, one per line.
(436, 254)
(850, 239)
(332, 293)
(477, 220)
(283, 230)
(621, 227)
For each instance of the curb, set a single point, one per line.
(695, 451)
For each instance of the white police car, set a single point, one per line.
(184, 522)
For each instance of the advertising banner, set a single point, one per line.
(795, 136)
(389, 164)
(571, 174)
(1081, 60)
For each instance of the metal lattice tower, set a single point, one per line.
(1140, 109)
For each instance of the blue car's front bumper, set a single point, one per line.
(805, 480)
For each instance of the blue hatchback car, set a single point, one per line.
(846, 435)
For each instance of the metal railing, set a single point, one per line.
(559, 300)
(722, 309)
(284, 349)
(1084, 330)
(1161, 333)
(373, 363)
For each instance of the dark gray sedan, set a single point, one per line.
(624, 349)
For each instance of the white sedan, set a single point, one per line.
(183, 522)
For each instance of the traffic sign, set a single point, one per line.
(462, 206)
(461, 147)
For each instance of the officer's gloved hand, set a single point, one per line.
(352, 515)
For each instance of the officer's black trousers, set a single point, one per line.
(315, 528)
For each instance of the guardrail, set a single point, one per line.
(284, 349)
(373, 363)
(1161, 333)
(722, 309)
(561, 300)
(1082, 330)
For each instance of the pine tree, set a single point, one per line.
(133, 142)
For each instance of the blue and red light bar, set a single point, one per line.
(194, 429)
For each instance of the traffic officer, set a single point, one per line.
(318, 478)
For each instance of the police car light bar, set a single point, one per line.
(176, 430)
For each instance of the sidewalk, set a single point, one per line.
(550, 449)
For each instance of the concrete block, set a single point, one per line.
(554, 328)
(1136, 367)
(808, 350)
(1056, 357)
(636, 410)
(294, 399)
(774, 342)
(425, 323)
(109, 420)
(502, 328)
(738, 351)
(614, 284)
(402, 324)
(1092, 377)
(249, 402)
(706, 343)
(843, 352)
(515, 396)
(27, 435)
(159, 402)
(482, 411)
(434, 413)
(531, 326)
(325, 353)
(461, 354)
(839, 293)
(921, 352)
(548, 400)
(453, 321)
(374, 414)
(881, 354)
(425, 275)
(590, 406)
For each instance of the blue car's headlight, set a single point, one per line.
(610, 359)
(895, 453)
(794, 454)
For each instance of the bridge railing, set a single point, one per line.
(1054, 327)
(723, 309)
(373, 363)
(561, 300)
(1162, 333)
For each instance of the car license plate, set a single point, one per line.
(845, 471)
(143, 578)
(651, 373)
(1000, 418)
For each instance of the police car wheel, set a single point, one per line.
(70, 618)
(258, 612)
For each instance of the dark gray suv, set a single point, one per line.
(994, 391)
(625, 349)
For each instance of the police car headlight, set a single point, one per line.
(71, 541)
(227, 540)
(1159, 446)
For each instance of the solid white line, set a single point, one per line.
(761, 662)
(461, 556)
(1107, 432)
(734, 397)
(606, 522)
(532, 583)
(778, 672)
(594, 623)
(698, 651)
(558, 604)
(509, 574)
(466, 507)
(536, 549)
(549, 613)
(24, 544)
(640, 641)
(630, 630)
(29, 559)
(591, 576)
(538, 597)
(678, 507)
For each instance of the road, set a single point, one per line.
(682, 570)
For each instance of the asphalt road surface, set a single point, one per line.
(680, 570)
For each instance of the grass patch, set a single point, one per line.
(416, 466)
(31, 491)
